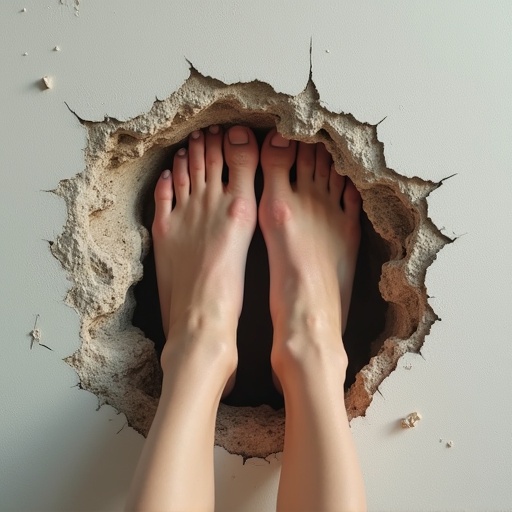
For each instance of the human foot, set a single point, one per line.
(201, 243)
(312, 243)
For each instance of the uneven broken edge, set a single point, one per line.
(104, 242)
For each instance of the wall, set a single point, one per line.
(440, 75)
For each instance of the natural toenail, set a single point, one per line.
(279, 141)
(238, 135)
(166, 174)
(214, 129)
(196, 134)
(182, 152)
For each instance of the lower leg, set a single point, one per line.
(312, 243)
(320, 469)
(175, 471)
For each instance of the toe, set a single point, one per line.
(351, 200)
(336, 185)
(180, 178)
(241, 153)
(163, 202)
(277, 157)
(322, 167)
(214, 158)
(305, 164)
(196, 162)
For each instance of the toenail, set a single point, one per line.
(182, 152)
(214, 129)
(278, 141)
(238, 135)
(166, 174)
(196, 134)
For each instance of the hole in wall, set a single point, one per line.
(254, 386)
(106, 249)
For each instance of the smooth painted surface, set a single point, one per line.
(441, 73)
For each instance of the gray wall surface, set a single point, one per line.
(441, 75)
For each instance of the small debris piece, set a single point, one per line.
(25, 54)
(327, 51)
(56, 49)
(449, 444)
(35, 333)
(408, 366)
(47, 81)
(24, 9)
(411, 420)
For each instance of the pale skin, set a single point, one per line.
(200, 250)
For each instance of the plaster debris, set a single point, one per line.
(24, 9)
(104, 242)
(408, 366)
(449, 444)
(56, 49)
(327, 51)
(25, 54)
(411, 420)
(47, 81)
(36, 335)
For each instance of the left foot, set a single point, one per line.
(201, 244)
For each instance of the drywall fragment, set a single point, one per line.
(411, 420)
(47, 81)
(24, 9)
(449, 444)
(25, 54)
(56, 49)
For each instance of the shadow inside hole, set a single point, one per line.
(254, 386)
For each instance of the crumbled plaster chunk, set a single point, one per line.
(56, 49)
(36, 335)
(25, 54)
(47, 81)
(411, 420)
(24, 9)
(449, 444)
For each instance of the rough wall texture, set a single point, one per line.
(104, 242)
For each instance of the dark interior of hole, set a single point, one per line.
(254, 384)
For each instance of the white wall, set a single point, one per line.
(440, 72)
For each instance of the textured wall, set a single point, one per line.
(442, 76)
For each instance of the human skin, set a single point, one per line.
(201, 248)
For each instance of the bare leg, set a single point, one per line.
(200, 250)
(312, 245)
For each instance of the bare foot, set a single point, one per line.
(201, 244)
(312, 245)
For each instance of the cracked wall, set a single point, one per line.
(105, 241)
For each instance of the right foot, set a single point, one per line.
(201, 243)
(312, 244)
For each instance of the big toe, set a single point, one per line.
(277, 158)
(241, 154)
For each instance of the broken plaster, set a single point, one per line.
(104, 242)
(410, 420)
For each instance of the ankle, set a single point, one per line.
(201, 348)
(309, 355)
